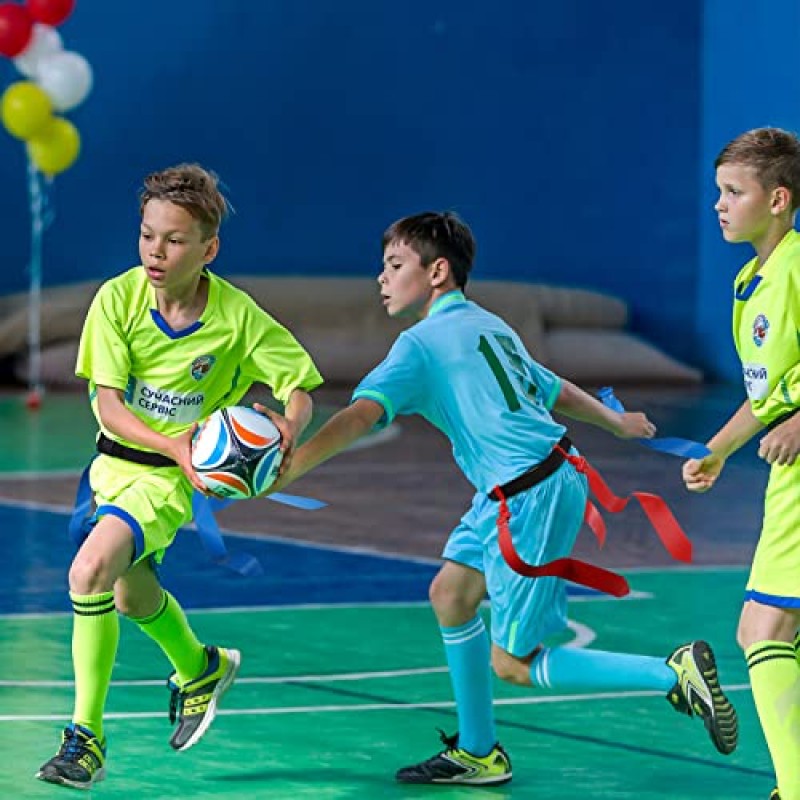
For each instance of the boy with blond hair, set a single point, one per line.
(758, 175)
(164, 345)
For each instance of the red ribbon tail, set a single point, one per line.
(602, 492)
(669, 530)
(570, 569)
(591, 516)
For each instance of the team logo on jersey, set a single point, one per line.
(760, 329)
(201, 366)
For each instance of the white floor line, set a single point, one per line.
(262, 536)
(584, 636)
(257, 681)
(351, 709)
(388, 555)
(227, 610)
(36, 475)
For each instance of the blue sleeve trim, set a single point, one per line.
(138, 533)
(772, 599)
(381, 399)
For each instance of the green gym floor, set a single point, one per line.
(343, 677)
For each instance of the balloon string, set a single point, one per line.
(41, 218)
(35, 291)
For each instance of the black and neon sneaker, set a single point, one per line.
(194, 704)
(697, 692)
(774, 794)
(454, 765)
(79, 762)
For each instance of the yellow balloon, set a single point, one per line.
(25, 109)
(56, 147)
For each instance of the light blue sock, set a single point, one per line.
(568, 668)
(468, 657)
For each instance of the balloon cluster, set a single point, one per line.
(58, 80)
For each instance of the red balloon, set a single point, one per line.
(16, 28)
(50, 12)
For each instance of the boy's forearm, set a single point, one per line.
(736, 432)
(299, 409)
(577, 404)
(337, 434)
(119, 420)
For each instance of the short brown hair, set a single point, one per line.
(435, 235)
(773, 153)
(192, 187)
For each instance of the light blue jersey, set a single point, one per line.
(468, 373)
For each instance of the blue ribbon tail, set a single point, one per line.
(672, 445)
(608, 398)
(306, 503)
(81, 521)
(203, 508)
(684, 448)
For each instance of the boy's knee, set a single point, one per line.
(452, 599)
(89, 574)
(760, 623)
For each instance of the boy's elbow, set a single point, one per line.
(566, 393)
(367, 414)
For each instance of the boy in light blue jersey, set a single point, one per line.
(164, 345)
(758, 176)
(468, 373)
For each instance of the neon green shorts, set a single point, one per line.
(153, 501)
(776, 564)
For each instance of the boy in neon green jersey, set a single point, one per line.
(758, 175)
(159, 355)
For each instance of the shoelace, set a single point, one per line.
(71, 746)
(450, 742)
(175, 701)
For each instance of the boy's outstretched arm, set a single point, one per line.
(573, 402)
(736, 432)
(700, 474)
(295, 419)
(337, 434)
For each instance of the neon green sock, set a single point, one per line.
(797, 647)
(170, 630)
(95, 636)
(775, 679)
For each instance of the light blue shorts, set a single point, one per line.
(545, 521)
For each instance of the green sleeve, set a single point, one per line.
(784, 398)
(278, 359)
(103, 353)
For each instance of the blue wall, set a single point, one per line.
(750, 80)
(565, 133)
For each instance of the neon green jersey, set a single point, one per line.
(766, 329)
(171, 378)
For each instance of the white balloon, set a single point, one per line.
(66, 77)
(45, 40)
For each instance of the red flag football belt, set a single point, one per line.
(669, 531)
